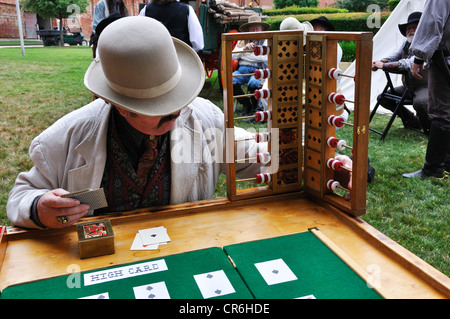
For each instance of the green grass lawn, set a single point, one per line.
(48, 82)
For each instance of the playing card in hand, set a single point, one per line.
(95, 198)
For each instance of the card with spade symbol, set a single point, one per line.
(104, 295)
(275, 271)
(157, 290)
(214, 284)
(155, 235)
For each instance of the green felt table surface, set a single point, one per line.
(178, 278)
(319, 271)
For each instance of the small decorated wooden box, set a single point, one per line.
(95, 238)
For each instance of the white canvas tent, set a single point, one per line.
(387, 40)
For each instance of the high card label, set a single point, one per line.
(106, 275)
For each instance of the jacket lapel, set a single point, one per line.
(92, 150)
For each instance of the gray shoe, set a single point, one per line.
(422, 174)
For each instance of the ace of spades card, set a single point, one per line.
(275, 271)
(155, 235)
(214, 284)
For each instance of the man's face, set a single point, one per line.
(411, 30)
(148, 124)
(255, 28)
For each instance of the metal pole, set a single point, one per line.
(19, 22)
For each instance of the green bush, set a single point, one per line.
(359, 5)
(348, 51)
(295, 10)
(392, 4)
(349, 22)
(279, 4)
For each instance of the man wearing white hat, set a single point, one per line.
(147, 140)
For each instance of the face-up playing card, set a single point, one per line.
(155, 235)
(138, 245)
(214, 284)
(95, 198)
(307, 297)
(156, 290)
(275, 271)
(104, 295)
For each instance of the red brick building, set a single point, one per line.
(30, 22)
(8, 21)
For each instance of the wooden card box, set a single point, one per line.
(95, 238)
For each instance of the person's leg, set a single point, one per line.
(421, 107)
(238, 81)
(408, 118)
(253, 85)
(438, 149)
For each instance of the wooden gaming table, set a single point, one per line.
(396, 273)
(297, 199)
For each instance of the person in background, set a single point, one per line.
(248, 62)
(401, 62)
(179, 18)
(109, 10)
(106, 7)
(432, 44)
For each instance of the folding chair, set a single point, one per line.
(400, 100)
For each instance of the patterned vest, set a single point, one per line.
(120, 182)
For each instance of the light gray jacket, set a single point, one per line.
(433, 31)
(71, 154)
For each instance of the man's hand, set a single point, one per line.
(344, 177)
(249, 46)
(348, 163)
(377, 65)
(417, 70)
(57, 212)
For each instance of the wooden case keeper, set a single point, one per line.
(95, 238)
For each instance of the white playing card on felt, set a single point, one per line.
(154, 235)
(104, 295)
(275, 271)
(157, 290)
(214, 284)
(307, 297)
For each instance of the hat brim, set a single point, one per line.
(402, 27)
(325, 23)
(246, 26)
(190, 84)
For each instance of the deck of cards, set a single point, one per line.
(150, 238)
(95, 198)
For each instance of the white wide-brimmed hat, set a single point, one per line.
(291, 23)
(140, 67)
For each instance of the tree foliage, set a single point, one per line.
(60, 9)
(279, 4)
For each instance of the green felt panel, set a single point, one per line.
(179, 279)
(319, 270)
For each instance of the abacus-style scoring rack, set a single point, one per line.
(298, 136)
